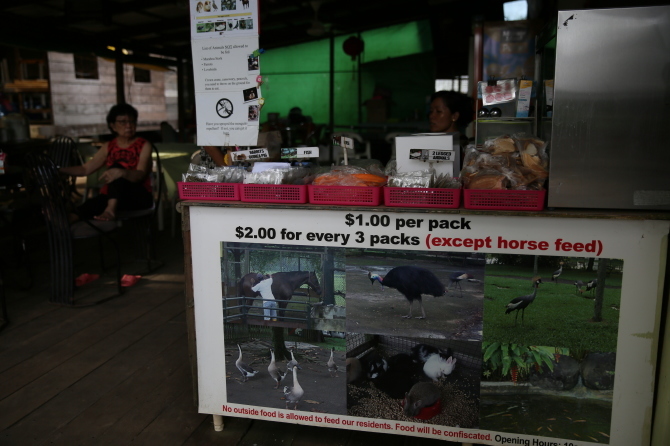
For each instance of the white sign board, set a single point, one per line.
(299, 152)
(249, 155)
(509, 378)
(428, 150)
(226, 69)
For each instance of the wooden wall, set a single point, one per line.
(81, 105)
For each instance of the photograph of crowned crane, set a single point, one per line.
(546, 300)
(424, 294)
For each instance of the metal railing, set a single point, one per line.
(244, 316)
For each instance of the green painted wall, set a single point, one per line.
(398, 58)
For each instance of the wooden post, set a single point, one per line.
(181, 103)
(120, 88)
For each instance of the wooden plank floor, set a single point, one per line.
(117, 373)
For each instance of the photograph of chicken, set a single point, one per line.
(415, 293)
(412, 379)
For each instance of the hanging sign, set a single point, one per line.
(226, 70)
(213, 19)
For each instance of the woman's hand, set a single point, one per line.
(112, 174)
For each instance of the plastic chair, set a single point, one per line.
(357, 153)
(64, 153)
(142, 220)
(168, 133)
(61, 234)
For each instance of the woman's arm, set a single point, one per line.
(90, 166)
(216, 154)
(137, 175)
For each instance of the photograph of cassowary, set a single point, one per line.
(415, 293)
(547, 391)
(303, 370)
(413, 379)
(545, 300)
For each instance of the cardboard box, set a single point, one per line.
(523, 101)
(440, 151)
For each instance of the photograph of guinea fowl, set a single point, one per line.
(412, 282)
(256, 374)
(421, 383)
(521, 302)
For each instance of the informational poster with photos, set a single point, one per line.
(227, 64)
(226, 70)
(479, 329)
(223, 18)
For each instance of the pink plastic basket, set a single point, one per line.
(273, 193)
(209, 191)
(419, 197)
(345, 195)
(502, 200)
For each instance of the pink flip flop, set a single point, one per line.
(129, 280)
(86, 278)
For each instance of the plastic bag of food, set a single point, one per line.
(194, 177)
(350, 176)
(488, 179)
(446, 181)
(228, 174)
(500, 145)
(270, 176)
(419, 178)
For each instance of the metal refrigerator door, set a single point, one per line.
(611, 123)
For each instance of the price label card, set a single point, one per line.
(249, 155)
(343, 141)
(431, 155)
(299, 152)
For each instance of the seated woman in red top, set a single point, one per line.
(128, 160)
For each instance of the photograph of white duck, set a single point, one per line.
(332, 367)
(275, 372)
(292, 363)
(318, 369)
(293, 394)
(246, 371)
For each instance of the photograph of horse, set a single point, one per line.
(284, 285)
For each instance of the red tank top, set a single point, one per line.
(128, 157)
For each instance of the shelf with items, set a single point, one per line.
(503, 107)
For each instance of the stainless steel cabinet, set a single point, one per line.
(610, 143)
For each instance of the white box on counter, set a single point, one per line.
(440, 151)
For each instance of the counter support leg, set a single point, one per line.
(218, 422)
